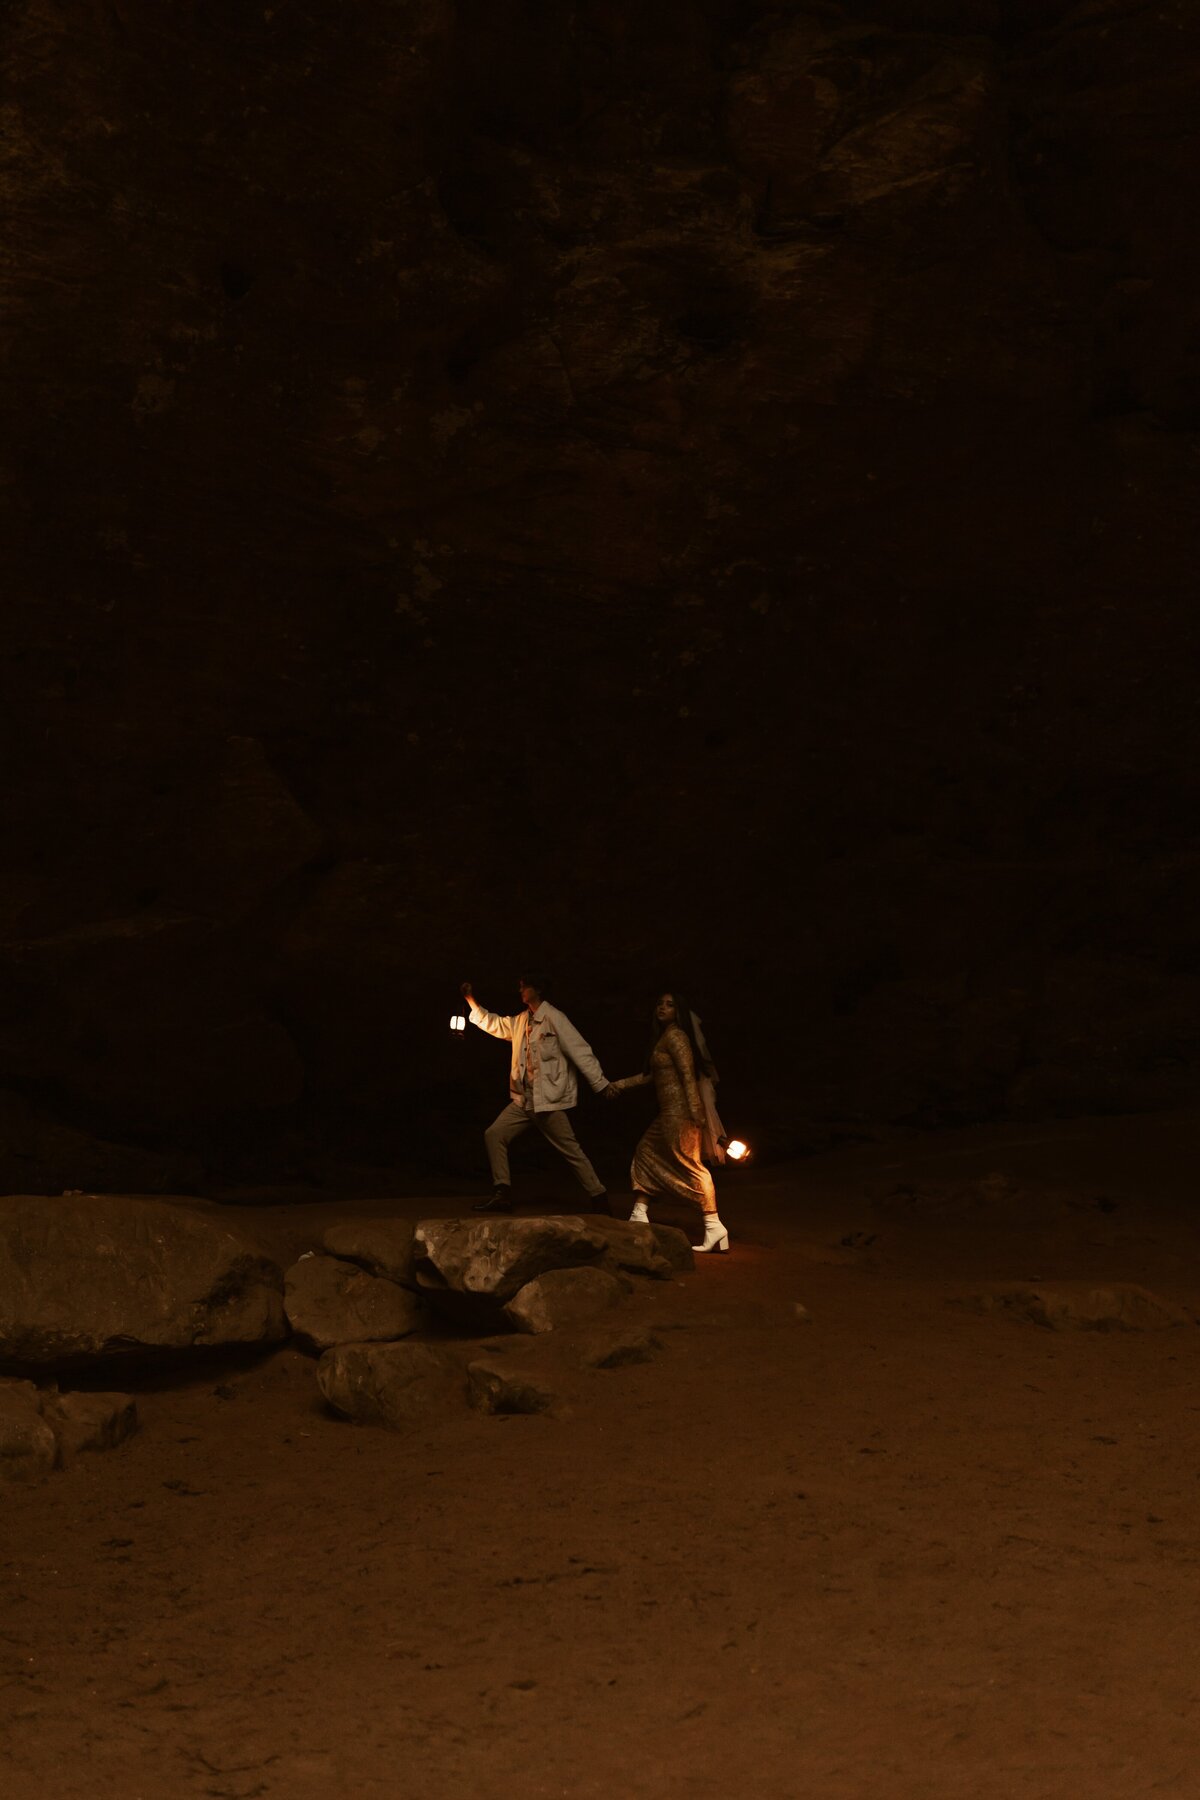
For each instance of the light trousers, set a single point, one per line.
(555, 1127)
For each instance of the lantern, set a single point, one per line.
(736, 1151)
(457, 1023)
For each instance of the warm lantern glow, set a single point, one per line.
(457, 1022)
(736, 1151)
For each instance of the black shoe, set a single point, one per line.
(499, 1202)
(598, 1203)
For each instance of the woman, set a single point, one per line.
(667, 1160)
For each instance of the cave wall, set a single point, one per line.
(702, 492)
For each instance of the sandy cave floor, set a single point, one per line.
(893, 1549)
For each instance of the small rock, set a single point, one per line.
(28, 1447)
(497, 1388)
(89, 1422)
(564, 1297)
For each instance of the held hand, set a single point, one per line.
(612, 1091)
(467, 991)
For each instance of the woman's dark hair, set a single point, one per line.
(541, 982)
(683, 1018)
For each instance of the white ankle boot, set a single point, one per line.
(715, 1235)
(639, 1215)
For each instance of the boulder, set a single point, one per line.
(399, 1385)
(28, 1447)
(564, 1297)
(675, 1246)
(381, 1246)
(88, 1421)
(329, 1301)
(1077, 1306)
(495, 1258)
(634, 1248)
(96, 1274)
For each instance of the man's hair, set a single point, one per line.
(540, 982)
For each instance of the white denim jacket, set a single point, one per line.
(559, 1051)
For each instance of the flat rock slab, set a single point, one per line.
(1077, 1306)
(399, 1385)
(329, 1302)
(381, 1246)
(563, 1298)
(99, 1274)
(40, 1430)
(495, 1258)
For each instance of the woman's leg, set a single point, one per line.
(645, 1171)
(715, 1235)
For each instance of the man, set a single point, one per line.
(546, 1051)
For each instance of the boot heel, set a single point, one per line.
(715, 1239)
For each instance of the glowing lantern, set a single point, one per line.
(457, 1022)
(736, 1151)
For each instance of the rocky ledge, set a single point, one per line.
(407, 1319)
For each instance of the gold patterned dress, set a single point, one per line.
(667, 1160)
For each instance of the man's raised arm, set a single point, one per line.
(495, 1024)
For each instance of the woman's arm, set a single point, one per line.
(631, 1081)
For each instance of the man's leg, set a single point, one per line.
(556, 1128)
(506, 1126)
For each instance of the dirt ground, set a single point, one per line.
(886, 1547)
